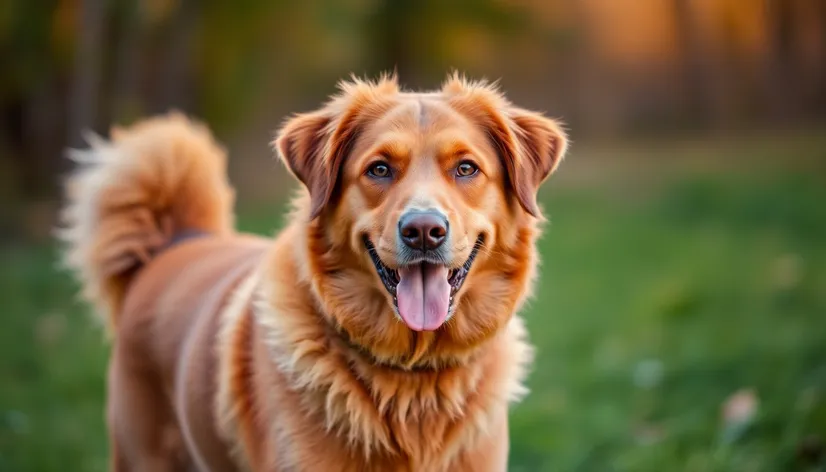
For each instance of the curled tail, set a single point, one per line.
(131, 195)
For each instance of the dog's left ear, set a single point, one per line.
(529, 144)
(532, 146)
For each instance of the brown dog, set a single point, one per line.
(376, 332)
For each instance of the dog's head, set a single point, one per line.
(422, 211)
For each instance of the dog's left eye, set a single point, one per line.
(466, 169)
(380, 170)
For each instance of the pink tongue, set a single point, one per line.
(423, 296)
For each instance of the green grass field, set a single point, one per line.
(659, 299)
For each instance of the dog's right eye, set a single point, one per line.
(379, 170)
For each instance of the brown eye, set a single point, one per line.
(379, 170)
(466, 169)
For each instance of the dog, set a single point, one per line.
(377, 331)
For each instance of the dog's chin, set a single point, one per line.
(423, 292)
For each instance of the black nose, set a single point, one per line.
(423, 230)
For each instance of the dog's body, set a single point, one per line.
(233, 352)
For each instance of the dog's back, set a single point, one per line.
(166, 343)
(148, 229)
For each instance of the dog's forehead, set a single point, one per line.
(421, 124)
(422, 112)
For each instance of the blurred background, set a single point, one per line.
(679, 317)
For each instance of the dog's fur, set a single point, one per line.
(233, 352)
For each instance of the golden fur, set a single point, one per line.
(129, 195)
(233, 352)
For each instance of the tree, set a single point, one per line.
(87, 70)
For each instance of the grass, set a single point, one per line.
(654, 307)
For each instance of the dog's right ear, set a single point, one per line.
(314, 145)
(304, 146)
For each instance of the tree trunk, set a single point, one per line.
(126, 102)
(86, 83)
(693, 67)
(176, 88)
(781, 84)
(389, 33)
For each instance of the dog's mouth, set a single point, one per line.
(423, 293)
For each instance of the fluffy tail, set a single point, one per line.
(130, 195)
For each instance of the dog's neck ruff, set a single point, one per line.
(423, 416)
(368, 357)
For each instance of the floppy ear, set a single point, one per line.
(303, 145)
(313, 146)
(531, 151)
(529, 144)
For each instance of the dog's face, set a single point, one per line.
(423, 209)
